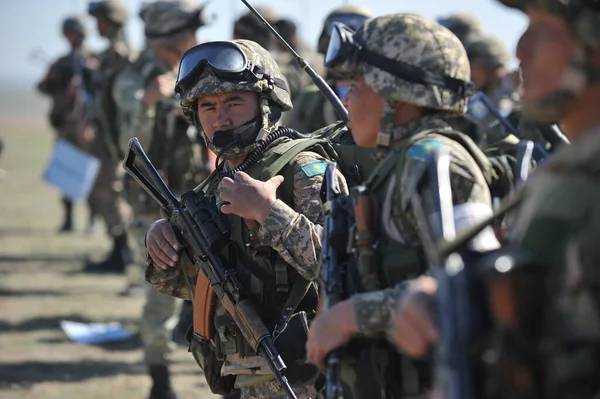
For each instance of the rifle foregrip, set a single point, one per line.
(247, 319)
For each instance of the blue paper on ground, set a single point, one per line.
(94, 333)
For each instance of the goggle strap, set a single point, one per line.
(413, 74)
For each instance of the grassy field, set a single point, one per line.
(41, 283)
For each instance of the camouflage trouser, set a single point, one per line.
(160, 313)
(106, 196)
(272, 390)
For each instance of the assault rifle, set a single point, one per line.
(336, 227)
(199, 227)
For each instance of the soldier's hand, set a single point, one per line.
(162, 87)
(415, 331)
(162, 245)
(249, 198)
(329, 331)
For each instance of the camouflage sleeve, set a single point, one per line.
(470, 193)
(172, 281)
(296, 233)
(135, 120)
(374, 311)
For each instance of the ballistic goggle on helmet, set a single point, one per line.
(226, 66)
(348, 55)
(350, 15)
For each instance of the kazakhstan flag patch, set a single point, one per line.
(422, 150)
(314, 168)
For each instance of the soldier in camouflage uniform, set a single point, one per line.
(100, 133)
(249, 27)
(276, 222)
(551, 259)
(465, 26)
(149, 111)
(406, 118)
(67, 82)
(311, 110)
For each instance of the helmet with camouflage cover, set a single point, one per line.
(73, 23)
(249, 27)
(489, 51)
(465, 26)
(273, 100)
(115, 11)
(352, 16)
(419, 43)
(165, 21)
(583, 17)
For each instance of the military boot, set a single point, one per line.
(67, 225)
(161, 383)
(117, 260)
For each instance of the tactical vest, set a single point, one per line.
(375, 363)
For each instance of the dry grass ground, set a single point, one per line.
(41, 283)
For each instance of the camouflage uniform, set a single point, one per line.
(312, 110)
(424, 44)
(554, 235)
(291, 233)
(68, 83)
(173, 147)
(105, 197)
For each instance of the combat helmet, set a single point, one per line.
(73, 23)
(352, 16)
(217, 67)
(583, 17)
(407, 58)
(115, 11)
(166, 20)
(249, 27)
(465, 26)
(489, 51)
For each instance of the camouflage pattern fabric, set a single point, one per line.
(470, 196)
(106, 195)
(420, 43)
(166, 21)
(293, 230)
(272, 390)
(61, 84)
(208, 83)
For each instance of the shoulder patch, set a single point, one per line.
(314, 168)
(421, 150)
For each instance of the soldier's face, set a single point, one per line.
(226, 111)
(545, 51)
(364, 107)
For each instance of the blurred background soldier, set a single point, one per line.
(145, 96)
(464, 25)
(100, 132)
(67, 82)
(311, 109)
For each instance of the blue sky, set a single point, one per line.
(26, 25)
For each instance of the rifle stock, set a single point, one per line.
(198, 227)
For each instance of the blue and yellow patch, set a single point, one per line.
(422, 150)
(314, 168)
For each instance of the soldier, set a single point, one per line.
(464, 25)
(100, 133)
(149, 111)
(67, 82)
(276, 227)
(311, 110)
(394, 106)
(249, 27)
(555, 234)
